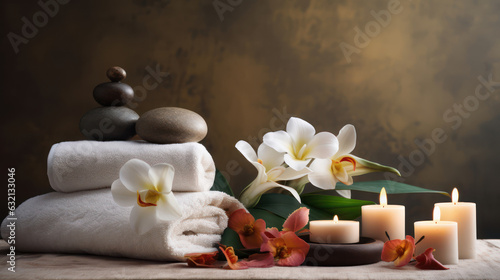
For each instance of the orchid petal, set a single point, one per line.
(275, 173)
(300, 131)
(259, 260)
(426, 260)
(399, 251)
(296, 163)
(246, 150)
(134, 175)
(121, 195)
(322, 145)
(321, 175)
(239, 218)
(162, 176)
(251, 195)
(364, 166)
(344, 193)
(168, 208)
(202, 259)
(269, 157)
(292, 174)
(297, 220)
(347, 140)
(142, 219)
(343, 177)
(279, 141)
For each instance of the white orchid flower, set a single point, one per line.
(149, 190)
(268, 163)
(342, 165)
(300, 143)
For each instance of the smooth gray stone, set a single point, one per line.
(109, 123)
(171, 125)
(113, 94)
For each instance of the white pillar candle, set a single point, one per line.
(464, 213)
(439, 235)
(334, 231)
(376, 220)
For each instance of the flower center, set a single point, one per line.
(260, 161)
(248, 230)
(282, 252)
(337, 165)
(300, 154)
(150, 199)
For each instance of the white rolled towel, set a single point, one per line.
(84, 165)
(91, 222)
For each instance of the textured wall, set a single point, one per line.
(247, 67)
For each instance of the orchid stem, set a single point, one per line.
(387, 234)
(421, 238)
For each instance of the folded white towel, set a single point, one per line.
(85, 165)
(91, 222)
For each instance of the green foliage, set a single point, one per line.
(391, 187)
(221, 184)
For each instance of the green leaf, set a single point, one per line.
(221, 184)
(272, 220)
(283, 205)
(231, 238)
(345, 208)
(391, 187)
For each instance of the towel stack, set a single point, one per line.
(81, 217)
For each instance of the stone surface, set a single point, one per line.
(113, 94)
(116, 74)
(171, 125)
(109, 123)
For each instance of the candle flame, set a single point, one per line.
(454, 196)
(336, 219)
(383, 197)
(437, 214)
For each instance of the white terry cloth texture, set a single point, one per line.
(85, 165)
(91, 222)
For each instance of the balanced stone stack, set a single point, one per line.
(113, 121)
(81, 216)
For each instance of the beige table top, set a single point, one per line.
(60, 266)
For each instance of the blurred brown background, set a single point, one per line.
(397, 70)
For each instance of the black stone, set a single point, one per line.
(171, 125)
(113, 94)
(109, 123)
(116, 74)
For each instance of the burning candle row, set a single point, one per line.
(452, 232)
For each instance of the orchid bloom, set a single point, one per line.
(149, 190)
(286, 247)
(254, 260)
(268, 163)
(343, 165)
(399, 251)
(247, 227)
(300, 143)
(426, 260)
(202, 259)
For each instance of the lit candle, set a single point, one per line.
(334, 231)
(376, 220)
(439, 235)
(464, 213)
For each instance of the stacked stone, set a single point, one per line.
(113, 121)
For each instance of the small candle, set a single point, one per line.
(439, 235)
(376, 220)
(464, 213)
(335, 231)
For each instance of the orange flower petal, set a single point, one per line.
(297, 220)
(239, 219)
(399, 251)
(201, 259)
(259, 260)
